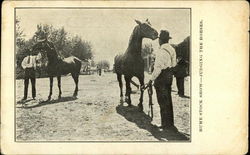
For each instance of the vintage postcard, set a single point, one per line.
(124, 77)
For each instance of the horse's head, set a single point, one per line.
(40, 46)
(147, 30)
(46, 51)
(46, 48)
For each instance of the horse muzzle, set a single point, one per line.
(155, 36)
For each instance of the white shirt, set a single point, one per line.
(32, 62)
(165, 57)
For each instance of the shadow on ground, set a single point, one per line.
(43, 103)
(23, 101)
(143, 121)
(184, 96)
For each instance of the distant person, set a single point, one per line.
(162, 76)
(29, 66)
(99, 70)
(180, 74)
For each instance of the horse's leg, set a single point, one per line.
(59, 86)
(51, 86)
(75, 77)
(119, 78)
(141, 80)
(128, 90)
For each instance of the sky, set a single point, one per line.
(107, 29)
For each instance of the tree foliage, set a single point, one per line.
(65, 44)
(146, 50)
(81, 48)
(103, 64)
(19, 34)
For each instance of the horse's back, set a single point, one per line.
(183, 49)
(71, 59)
(71, 65)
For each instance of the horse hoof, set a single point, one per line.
(48, 99)
(59, 97)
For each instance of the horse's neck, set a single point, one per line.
(135, 42)
(53, 57)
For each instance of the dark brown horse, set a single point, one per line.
(183, 51)
(131, 63)
(57, 66)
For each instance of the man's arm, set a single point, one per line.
(24, 64)
(157, 67)
(161, 61)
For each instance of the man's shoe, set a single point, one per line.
(162, 128)
(171, 128)
(181, 95)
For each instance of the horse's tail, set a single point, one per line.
(117, 63)
(78, 64)
(115, 59)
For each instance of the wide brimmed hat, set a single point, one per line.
(164, 35)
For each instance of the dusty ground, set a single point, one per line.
(96, 114)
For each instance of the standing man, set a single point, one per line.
(180, 74)
(29, 66)
(163, 76)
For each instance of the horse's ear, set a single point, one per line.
(147, 21)
(138, 22)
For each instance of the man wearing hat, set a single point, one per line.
(162, 76)
(29, 66)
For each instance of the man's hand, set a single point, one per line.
(146, 85)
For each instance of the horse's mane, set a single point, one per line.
(132, 40)
(135, 32)
(53, 49)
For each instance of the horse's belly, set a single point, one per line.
(66, 68)
(133, 68)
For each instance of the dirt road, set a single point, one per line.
(96, 114)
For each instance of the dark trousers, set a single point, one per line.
(30, 74)
(163, 92)
(180, 85)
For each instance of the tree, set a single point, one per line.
(65, 45)
(92, 63)
(21, 48)
(147, 50)
(19, 34)
(103, 64)
(81, 48)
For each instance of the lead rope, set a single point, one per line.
(150, 110)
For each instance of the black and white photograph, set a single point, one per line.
(100, 74)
